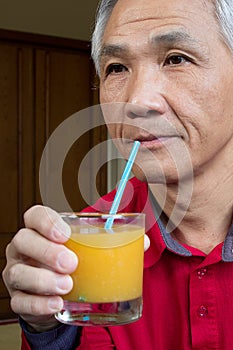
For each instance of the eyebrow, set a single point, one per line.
(174, 37)
(113, 50)
(166, 39)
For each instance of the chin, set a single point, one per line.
(156, 176)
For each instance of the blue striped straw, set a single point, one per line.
(122, 184)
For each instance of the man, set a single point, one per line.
(169, 64)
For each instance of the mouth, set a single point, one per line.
(152, 141)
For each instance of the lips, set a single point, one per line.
(154, 142)
(151, 141)
(153, 138)
(146, 138)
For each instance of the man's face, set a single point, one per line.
(168, 79)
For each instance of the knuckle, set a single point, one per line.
(18, 243)
(17, 239)
(42, 284)
(7, 250)
(50, 218)
(48, 253)
(11, 277)
(6, 270)
(28, 214)
(47, 218)
(15, 304)
(35, 308)
(42, 219)
(46, 226)
(4, 276)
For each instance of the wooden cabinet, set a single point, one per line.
(43, 81)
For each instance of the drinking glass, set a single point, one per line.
(107, 284)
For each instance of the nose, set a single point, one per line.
(145, 95)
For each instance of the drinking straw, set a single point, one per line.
(122, 184)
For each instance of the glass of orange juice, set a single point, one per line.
(107, 284)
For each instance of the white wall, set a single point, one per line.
(64, 18)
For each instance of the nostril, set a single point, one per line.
(135, 110)
(132, 115)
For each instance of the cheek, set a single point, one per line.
(202, 102)
(112, 130)
(106, 96)
(213, 96)
(115, 132)
(112, 91)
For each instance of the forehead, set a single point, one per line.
(131, 16)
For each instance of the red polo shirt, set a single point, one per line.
(187, 295)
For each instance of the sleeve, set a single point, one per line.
(93, 338)
(62, 338)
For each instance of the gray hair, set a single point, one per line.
(103, 14)
(223, 12)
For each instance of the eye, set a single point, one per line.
(174, 60)
(115, 68)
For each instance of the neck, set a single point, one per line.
(199, 217)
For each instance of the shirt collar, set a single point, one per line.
(159, 231)
(227, 249)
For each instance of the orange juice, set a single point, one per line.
(107, 287)
(110, 264)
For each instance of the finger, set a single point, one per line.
(48, 223)
(35, 305)
(146, 243)
(29, 244)
(38, 281)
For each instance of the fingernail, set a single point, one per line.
(64, 284)
(55, 304)
(67, 261)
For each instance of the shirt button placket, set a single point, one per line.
(203, 309)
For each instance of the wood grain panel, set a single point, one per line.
(8, 138)
(26, 153)
(43, 81)
(69, 89)
(71, 93)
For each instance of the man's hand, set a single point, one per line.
(38, 268)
